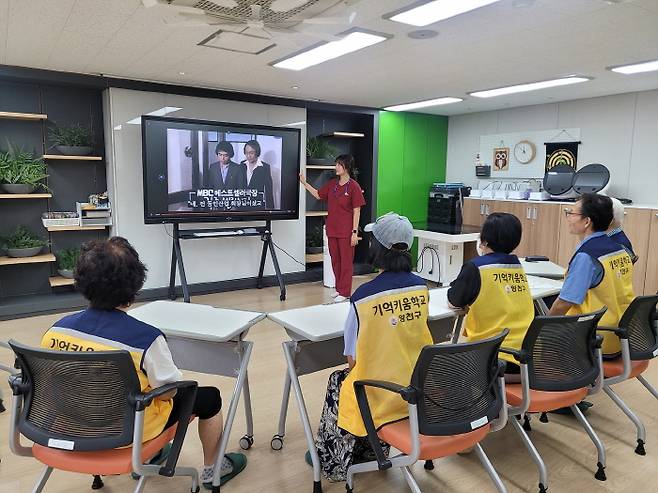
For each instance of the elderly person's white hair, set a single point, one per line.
(617, 213)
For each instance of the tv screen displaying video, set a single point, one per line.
(198, 170)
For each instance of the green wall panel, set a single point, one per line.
(412, 156)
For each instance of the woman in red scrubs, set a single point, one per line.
(345, 199)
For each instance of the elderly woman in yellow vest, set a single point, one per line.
(600, 273)
(495, 289)
(384, 333)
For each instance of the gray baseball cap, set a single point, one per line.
(391, 229)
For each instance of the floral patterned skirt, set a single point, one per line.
(337, 448)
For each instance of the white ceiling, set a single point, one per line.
(491, 47)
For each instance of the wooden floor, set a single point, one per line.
(570, 456)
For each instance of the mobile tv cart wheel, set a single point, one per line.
(277, 442)
(246, 442)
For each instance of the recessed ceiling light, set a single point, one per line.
(423, 104)
(531, 86)
(181, 73)
(423, 34)
(353, 41)
(425, 13)
(636, 68)
(294, 88)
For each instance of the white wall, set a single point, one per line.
(619, 131)
(206, 260)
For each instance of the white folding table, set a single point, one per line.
(209, 340)
(316, 343)
(543, 268)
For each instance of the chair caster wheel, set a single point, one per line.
(246, 442)
(348, 489)
(277, 442)
(543, 418)
(639, 450)
(215, 489)
(600, 472)
(2, 407)
(282, 297)
(526, 423)
(97, 484)
(196, 490)
(542, 488)
(317, 487)
(429, 465)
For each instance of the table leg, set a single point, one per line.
(277, 440)
(248, 439)
(288, 351)
(456, 331)
(230, 415)
(541, 306)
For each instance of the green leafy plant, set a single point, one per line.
(319, 148)
(21, 237)
(20, 167)
(314, 237)
(67, 258)
(75, 135)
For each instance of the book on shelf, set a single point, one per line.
(93, 215)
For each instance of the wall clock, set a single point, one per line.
(525, 151)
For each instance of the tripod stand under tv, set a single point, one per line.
(265, 233)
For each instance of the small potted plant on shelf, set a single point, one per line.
(319, 151)
(314, 240)
(21, 171)
(66, 260)
(74, 140)
(23, 243)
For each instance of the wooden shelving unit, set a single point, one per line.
(316, 213)
(61, 157)
(75, 228)
(37, 259)
(320, 166)
(9, 115)
(344, 135)
(57, 281)
(312, 258)
(26, 195)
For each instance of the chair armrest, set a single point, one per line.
(618, 331)
(598, 341)
(187, 393)
(519, 354)
(16, 384)
(366, 414)
(502, 366)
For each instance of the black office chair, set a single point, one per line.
(638, 336)
(560, 361)
(78, 407)
(456, 397)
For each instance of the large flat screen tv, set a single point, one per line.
(196, 170)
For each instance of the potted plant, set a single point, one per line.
(319, 151)
(23, 243)
(314, 240)
(75, 140)
(66, 260)
(21, 171)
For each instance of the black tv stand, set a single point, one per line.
(265, 233)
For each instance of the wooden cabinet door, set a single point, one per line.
(637, 226)
(651, 280)
(545, 225)
(522, 211)
(567, 242)
(473, 212)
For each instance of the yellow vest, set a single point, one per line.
(615, 291)
(69, 339)
(392, 331)
(504, 302)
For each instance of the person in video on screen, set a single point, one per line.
(109, 274)
(344, 199)
(258, 174)
(224, 173)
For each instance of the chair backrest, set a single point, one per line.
(638, 320)
(563, 351)
(458, 386)
(77, 400)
